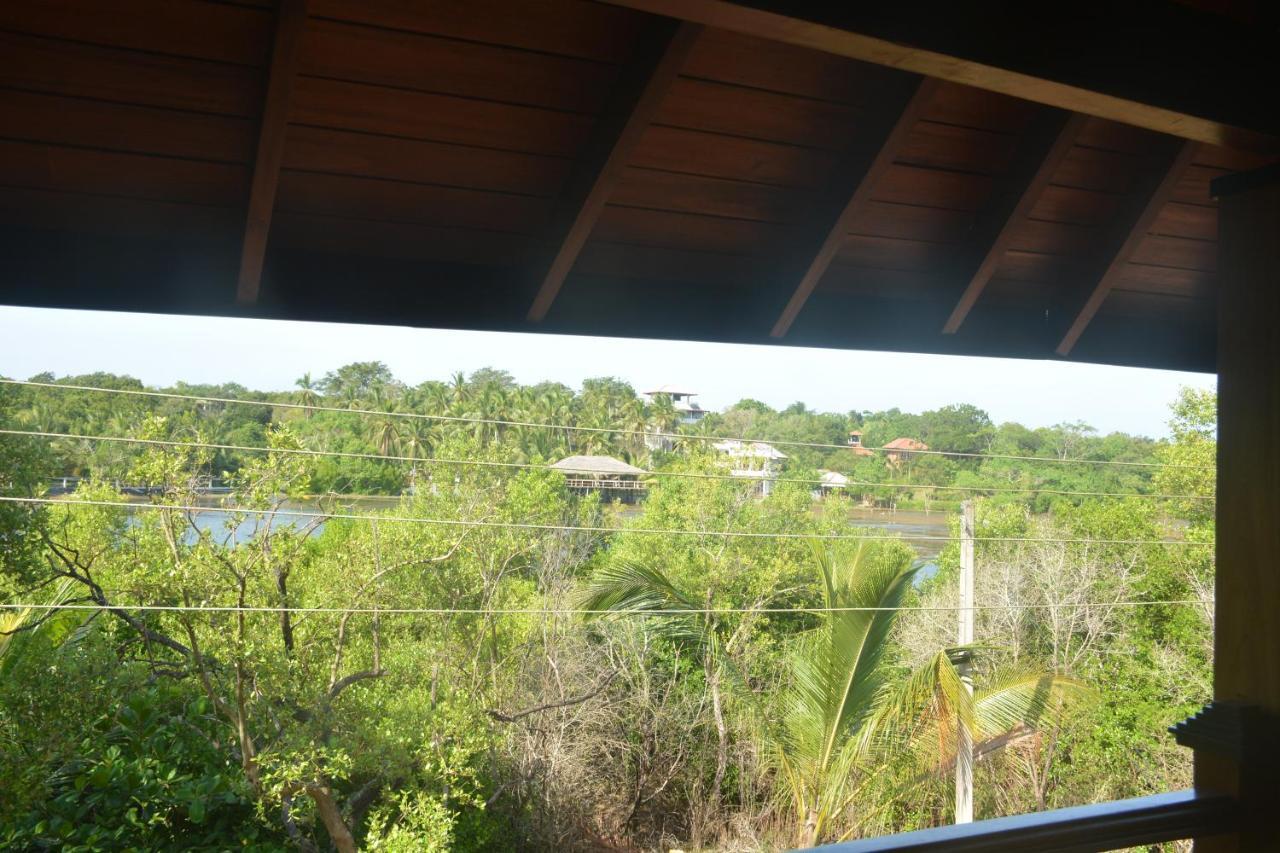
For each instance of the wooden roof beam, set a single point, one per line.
(1136, 233)
(290, 21)
(862, 171)
(1048, 150)
(645, 82)
(1125, 62)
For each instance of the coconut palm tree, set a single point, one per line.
(846, 707)
(308, 393)
(386, 430)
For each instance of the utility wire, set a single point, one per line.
(427, 461)
(643, 531)
(169, 395)
(566, 611)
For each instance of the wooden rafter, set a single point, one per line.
(1066, 60)
(862, 173)
(292, 17)
(1018, 206)
(617, 133)
(1155, 202)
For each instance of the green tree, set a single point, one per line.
(356, 381)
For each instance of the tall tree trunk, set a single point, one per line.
(722, 735)
(332, 818)
(809, 835)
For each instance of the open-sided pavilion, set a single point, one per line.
(1093, 181)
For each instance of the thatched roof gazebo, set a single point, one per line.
(605, 474)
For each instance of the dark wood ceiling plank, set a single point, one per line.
(912, 222)
(339, 152)
(1065, 60)
(863, 168)
(965, 106)
(400, 201)
(1077, 207)
(774, 66)
(406, 60)
(129, 76)
(1053, 238)
(715, 155)
(1177, 253)
(683, 193)
(370, 108)
(1177, 282)
(80, 213)
(936, 145)
(292, 19)
(573, 28)
(739, 111)
(906, 184)
(379, 241)
(37, 117)
(645, 81)
(1015, 208)
(213, 31)
(1136, 234)
(115, 173)
(653, 263)
(896, 254)
(691, 232)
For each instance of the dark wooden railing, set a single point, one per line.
(1083, 829)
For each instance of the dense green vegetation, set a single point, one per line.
(603, 404)
(707, 701)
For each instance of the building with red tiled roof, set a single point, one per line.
(902, 448)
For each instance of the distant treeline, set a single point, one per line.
(602, 404)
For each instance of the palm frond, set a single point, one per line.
(1023, 697)
(623, 586)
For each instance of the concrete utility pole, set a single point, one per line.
(964, 637)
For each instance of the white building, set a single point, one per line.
(754, 460)
(682, 401)
(832, 480)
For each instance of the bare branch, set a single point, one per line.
(564, 703)
(351, 679)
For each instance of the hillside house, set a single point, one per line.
(753, 460)
(901, 449)
(686, 408)
(855, 444)
(831, 481)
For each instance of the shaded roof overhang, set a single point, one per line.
(1014, 182)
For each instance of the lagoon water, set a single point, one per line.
(919, 529)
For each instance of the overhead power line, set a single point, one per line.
(169, 395)
(575, 611)
(428, 461)
(571, 528)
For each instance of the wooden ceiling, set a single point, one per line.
(567, 166)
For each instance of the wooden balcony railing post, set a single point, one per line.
(1247, 586)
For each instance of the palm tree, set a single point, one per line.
(845, 706)
(386, 430)
(308, 393)
(458, 387)
(20, 629)
(631, 425)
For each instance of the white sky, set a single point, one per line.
(270, 355)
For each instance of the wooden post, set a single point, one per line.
(1247, 585)
(964, 637)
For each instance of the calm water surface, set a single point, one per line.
(915, 527)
